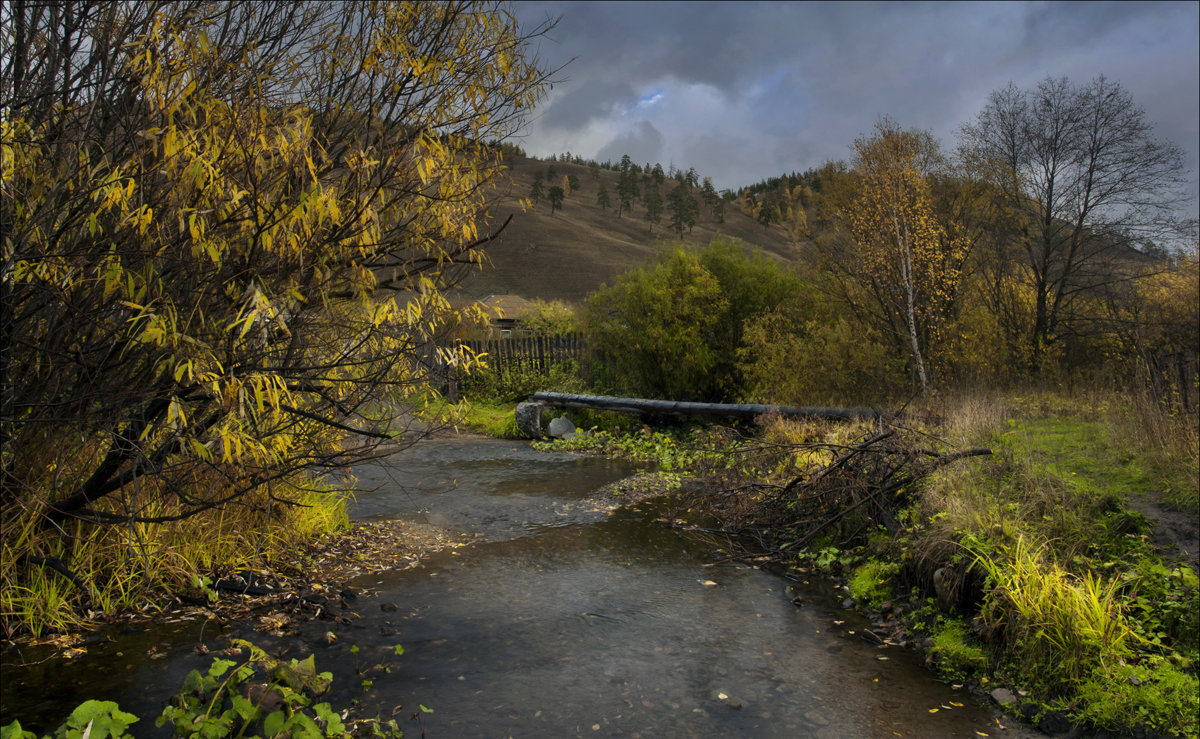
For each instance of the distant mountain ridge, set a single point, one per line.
(567, 254)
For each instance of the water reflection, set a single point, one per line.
(619, 625)
(500, 489)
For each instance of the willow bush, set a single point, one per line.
(228, 229)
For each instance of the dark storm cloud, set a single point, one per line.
(589, 100)
(643, 144)
(745, 91)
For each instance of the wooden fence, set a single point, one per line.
(529, 353)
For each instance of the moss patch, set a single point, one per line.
(871, 584)
(956, 652)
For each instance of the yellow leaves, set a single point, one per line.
(185, 369)
(176, 418)
(141, 219)
(231, 207)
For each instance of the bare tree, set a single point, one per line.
(1080, 175)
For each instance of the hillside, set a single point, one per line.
(570, 253)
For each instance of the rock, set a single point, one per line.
(943, 585)
(1003, 696)
(388, 607)
(848, 603)
(1054, 722)
(529, 419)
(561, 428)
(735, 703)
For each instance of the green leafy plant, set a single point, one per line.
(260, 696)
(517, 381)
(672, 451)
(1154, 693)
(93, 719)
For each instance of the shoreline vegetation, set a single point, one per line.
(1055, 576)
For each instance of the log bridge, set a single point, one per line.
(529, 413)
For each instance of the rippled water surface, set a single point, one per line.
(561, 621)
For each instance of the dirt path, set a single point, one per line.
(1175, 533)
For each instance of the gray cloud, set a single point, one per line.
(592, 99)
(643, 144)
(784, 86)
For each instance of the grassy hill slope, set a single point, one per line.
(570, 253)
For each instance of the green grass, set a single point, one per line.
(1077, 606)
(1081, 454)
(498, 420)
(121, 567)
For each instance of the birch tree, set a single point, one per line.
(906, 255)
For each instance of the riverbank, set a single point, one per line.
(1055, 576)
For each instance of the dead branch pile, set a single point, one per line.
(864, 487)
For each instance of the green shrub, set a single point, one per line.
(672, 329)
(549, 318)
(648, 334)
(515, 382)
(787, 354)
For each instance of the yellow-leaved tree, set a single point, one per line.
(908, 261)
(227, 233)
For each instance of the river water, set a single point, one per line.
(561, 620)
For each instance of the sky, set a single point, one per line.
(745, 91)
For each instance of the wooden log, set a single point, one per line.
(746, 411)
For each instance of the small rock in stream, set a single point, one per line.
(730, 701)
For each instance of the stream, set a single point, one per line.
(560, 620)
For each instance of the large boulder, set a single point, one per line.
(529, 419)
(561, 428)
